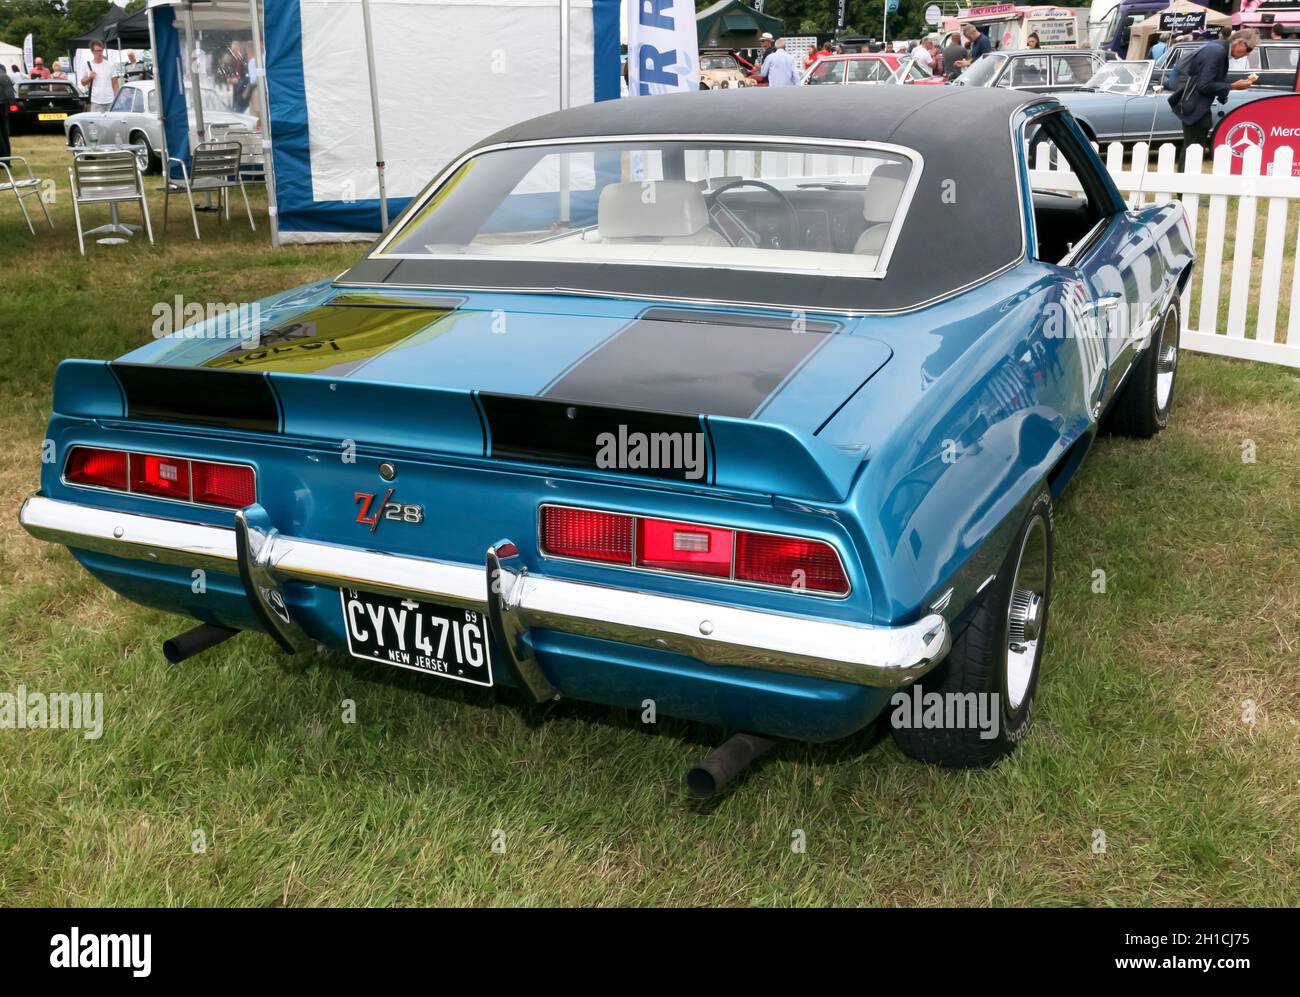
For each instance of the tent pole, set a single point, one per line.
(564, 54)
(564, 103)
(264, 100)
(374, 112)
(195, 89)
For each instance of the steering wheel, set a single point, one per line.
(791, 220)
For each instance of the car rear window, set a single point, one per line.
(809, 207)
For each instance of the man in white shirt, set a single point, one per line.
(100, 78)
(778, 68)
(924, 54)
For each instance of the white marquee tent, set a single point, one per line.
(447, 73)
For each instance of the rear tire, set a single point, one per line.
(997, 654)
(1146, 401)
(75, 138)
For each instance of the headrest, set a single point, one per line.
(884, 191)
(654, 209)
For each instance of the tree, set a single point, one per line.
(50, 22)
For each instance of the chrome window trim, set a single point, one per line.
(417, 205)
(729, 579)
(191, 501)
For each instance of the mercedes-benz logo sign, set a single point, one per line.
(1243, 136)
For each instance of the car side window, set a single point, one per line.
(1070, 69)
(827, 72)
(124, 98)
(137, 103)
(1064, 217)
(1030, 71)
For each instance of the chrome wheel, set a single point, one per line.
(143, 157)
(1025, 613)
(1166, 361)
(78, 139)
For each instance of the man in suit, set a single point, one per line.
(1203, 79)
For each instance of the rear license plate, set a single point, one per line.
(50, 117)
(421, 636)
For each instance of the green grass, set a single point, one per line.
(1139, 727)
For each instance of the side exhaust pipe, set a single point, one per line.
(191, 642)
(721, 765)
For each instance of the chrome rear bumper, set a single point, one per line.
(513, 599)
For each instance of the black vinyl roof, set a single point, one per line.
(904, 115)
(963, 225)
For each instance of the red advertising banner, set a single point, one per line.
(1268, 123)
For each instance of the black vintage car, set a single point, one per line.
(42, 105)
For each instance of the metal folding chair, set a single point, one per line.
(110, 178)
(23, 187)
(215, 166)
(252, 162)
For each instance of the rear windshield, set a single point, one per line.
(44, 89)
(747, 205)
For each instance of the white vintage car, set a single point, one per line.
(134, 118)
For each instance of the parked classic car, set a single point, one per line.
(720, 425)
(720, 70)
(42, 105)
(133, 118)
(1041, 70)
(867, 67)
(1123, 104)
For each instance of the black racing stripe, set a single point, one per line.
(566, 435)
(229, 399)
(692, 363)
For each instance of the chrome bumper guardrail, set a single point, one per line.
(513, 599)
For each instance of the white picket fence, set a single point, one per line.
(1259, 280)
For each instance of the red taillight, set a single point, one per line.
(789, 562)
(583, 533)
(177, 478)
(671, 546)
(719, 552)
(165, 476)
(222, 484)
(99, 468)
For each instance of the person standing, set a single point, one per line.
(1203, 79)
(764, 50)
(954, 57)
(100, 79)
(779, 68)
(979, 42)
(925, 54)
(7, 94)
(1160, 47)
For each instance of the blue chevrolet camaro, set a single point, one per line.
(750, 405)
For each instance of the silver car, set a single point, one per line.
(1125, 103)
(133, 118)
(1040, 69)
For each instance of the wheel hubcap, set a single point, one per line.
(1166, 361)
(1025, 613)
